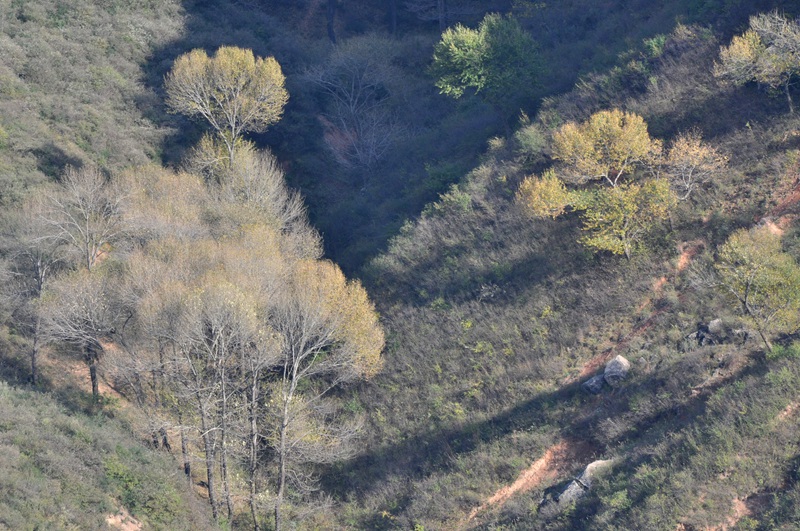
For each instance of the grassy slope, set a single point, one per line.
(63, 469)
(71, 86)
(491, 316)
(488, 314)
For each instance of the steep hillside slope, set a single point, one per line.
(62, 469)
(495, 321)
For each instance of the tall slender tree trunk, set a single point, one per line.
(224, 448)
(331, 17)
(281, 468)
(208, 446)
(91, 360)
(787, 90)
(35, 352)
(187, 465)
(765, 339)
(253, 442)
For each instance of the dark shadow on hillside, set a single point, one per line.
(15, 370)
(355, 219)
(51, 160)
(722, 112)
(421, 455)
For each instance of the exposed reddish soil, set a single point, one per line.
(556, 461)
(788, 411)
(66, 372)
(123, 521)
(688, 250)
(560, 457)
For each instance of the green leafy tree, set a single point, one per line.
(235, 91)
(608, 146)
(763, 281)
(618, 219)
(499, 61)
(768, 52)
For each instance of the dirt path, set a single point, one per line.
(687, 250)
(556, 461)
(123, 521)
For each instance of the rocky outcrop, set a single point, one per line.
(594, 385)
(616, 371)
(581, 484)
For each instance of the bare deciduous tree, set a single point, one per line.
(35, 255)
(79, 309)
(360, 83)
(690, 163)
(330, 336)
(84, 214)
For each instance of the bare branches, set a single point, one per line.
(84, 214)
(360, 83)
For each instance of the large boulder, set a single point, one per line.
(594, 385)
(616, 371)
(581, 484)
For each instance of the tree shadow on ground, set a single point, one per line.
(570, 408)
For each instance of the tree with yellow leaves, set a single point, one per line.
(617, 219)
(608, 146)
(690, 163)
(330, 335)
(235, 91)
(762, 280)
(544, 197)
(768, 52)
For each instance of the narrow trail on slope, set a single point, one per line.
(688, 250)
(556, 461)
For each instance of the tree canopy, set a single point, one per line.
(235, 91)
(608, 146)
(617, 219)
(546, 196)
(768, 52)
(763, 281)
(690, 163)
(499, 61)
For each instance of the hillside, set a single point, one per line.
(476, 416)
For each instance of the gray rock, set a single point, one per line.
(594, 385)
(573, 492)
(616, 371)
(717, 328)
(591, 470)
(579, 486)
